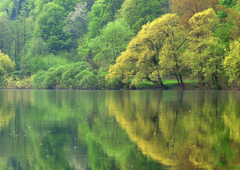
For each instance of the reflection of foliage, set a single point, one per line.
(232, 117)
(99, 160)
(181, 129)
(142, 130)
(108, 145)
(6, 114)
(44, 139)
(172, 131)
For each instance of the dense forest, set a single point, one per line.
(114, 44)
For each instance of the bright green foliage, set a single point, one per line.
(6, 65)
(202, 24)
(102, 83)
(77, 75)
(32, 53)
(52, 60)
(32, 65)
(109, 44)
(139, 12)
(171, 60)
(103, 11)
(36, 7)
(207, 64)
(67, 4)
(142, 59)
(222, 32)
(14, 35)
(86, 79)
(228, 3)
(54, 76)
(5, 34)
(50, 27)
(205, 52)
(35, 47)
(39, 34)
(232, 62)
(68, 77)
(38, 79)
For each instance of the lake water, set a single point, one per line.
(119, 130)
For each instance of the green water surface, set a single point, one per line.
(119, 130)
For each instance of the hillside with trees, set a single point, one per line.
(115, 44)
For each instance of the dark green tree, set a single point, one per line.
(50, 27)
(139, 12)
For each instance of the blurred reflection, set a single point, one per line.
(181, 129)
(119, 130)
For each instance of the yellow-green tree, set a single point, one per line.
(6, 65)
(171, 59)
(205, 52)
(232, 62)
(155, 51)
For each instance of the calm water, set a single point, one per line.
(119, 130)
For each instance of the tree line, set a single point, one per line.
(111, 44)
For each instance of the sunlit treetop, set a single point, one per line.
(203, 23)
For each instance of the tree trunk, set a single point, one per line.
(182, 84)
(177, 79)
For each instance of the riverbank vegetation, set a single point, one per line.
(116, 44)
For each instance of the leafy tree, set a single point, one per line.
(52, 60)
(37, 8)
(228, 3)
(86, 79)
(113, 39)
(35, 47)
(50, 27)
(76, 21)
(13, 8)
(68, 4)
(14, 35)
(138, 12)
(33, 65)
(6, 67)
(171, 58)
(205, 52)
(233, 20)
(54, 76)
(6, 36)
(150, 54)
(32, 56)
(227, 28)
(89, 3)
(232, 60)
(38, 79)
(68, 77)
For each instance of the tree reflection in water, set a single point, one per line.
(185, 130)
(143, 130)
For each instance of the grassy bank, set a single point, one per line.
(170, 84)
